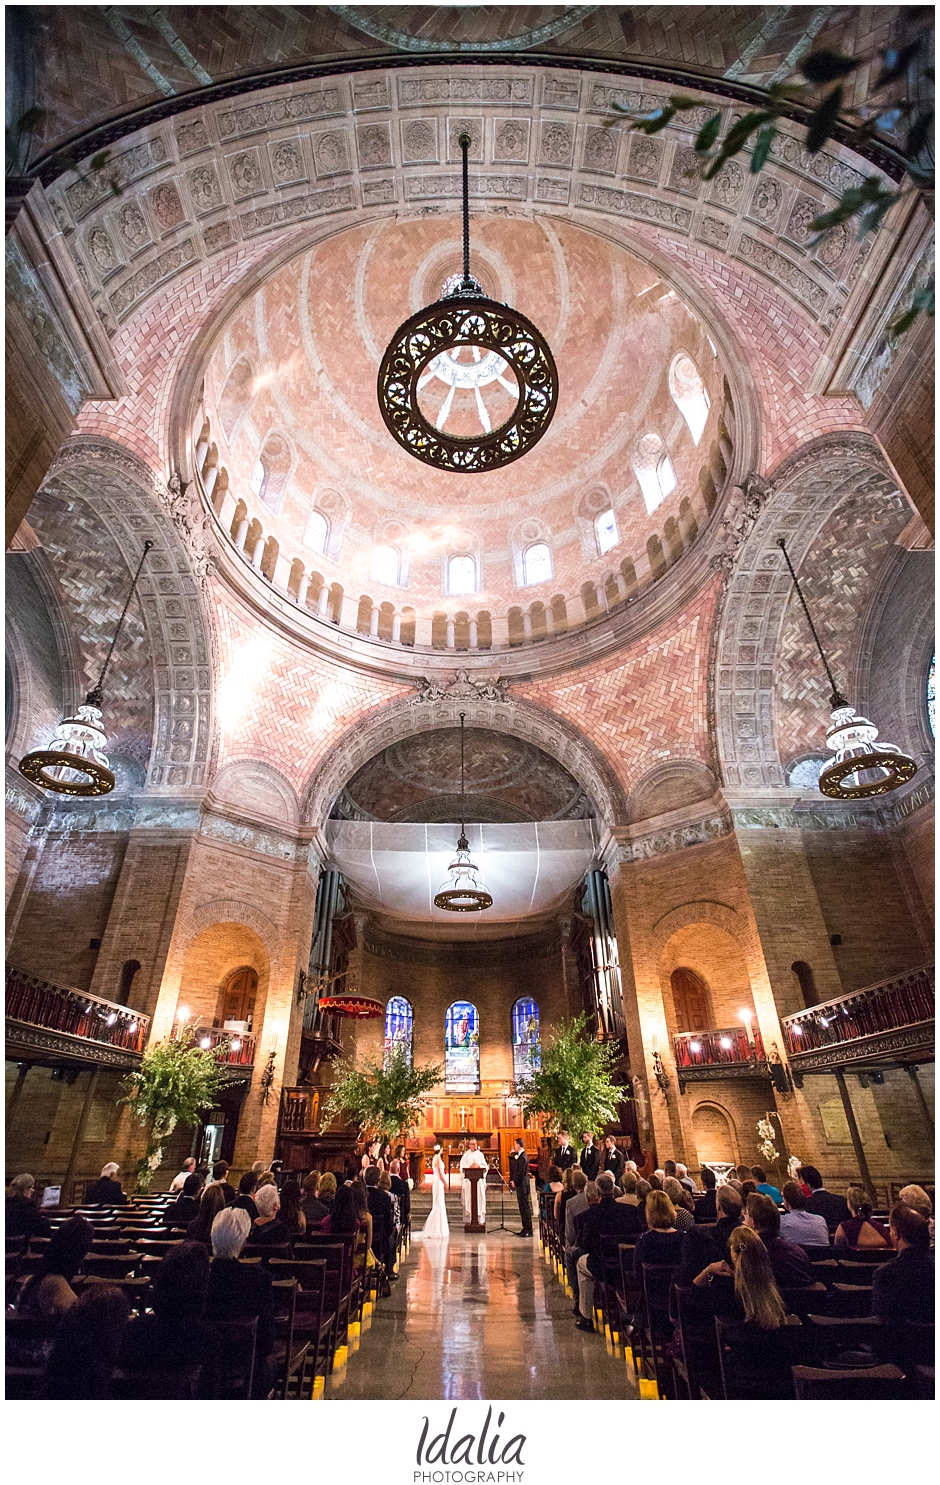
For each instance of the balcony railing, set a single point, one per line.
(300, 1111)
(58, 1008)
(892, 1005)
(727, 1046)
(241, 1047)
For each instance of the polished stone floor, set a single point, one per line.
(479, 1317)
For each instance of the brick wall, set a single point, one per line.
(69, 902)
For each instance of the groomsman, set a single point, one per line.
(565, 1155)
(590, 1159)
(519, 1181)
(614, 1158)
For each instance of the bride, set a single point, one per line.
(436, 1225)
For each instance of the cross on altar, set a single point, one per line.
(462, 1114)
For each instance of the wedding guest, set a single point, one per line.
(798, 1225)
(268, 1228)
(87, 1345)
(244, 1201)
(211, 1204)
(862, 1230)
(48, 1293)
(106, 1191)
(189, 1165)
(22, 1218)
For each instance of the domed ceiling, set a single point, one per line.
(623, 480)
(508, 781)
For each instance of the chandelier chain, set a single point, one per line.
(464, 143)
(836, 699)
(94, 696)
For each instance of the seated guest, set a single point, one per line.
(904, 1288)
(758, 1346)
(383, 1220)
(266, 1178)
(385, 1184)
(23, 1220)
(240, 1291)
(185, 1209)
(292, 1214)
(88, 1345)
(862, 1230)
(586, 1195)
(824, 1203)
(661, 1243)
(326, 1193)
(682, 1201)
(917, 1199)
(790, 1265)
(400, 1189)
(245, 1200)
(643, 1189)
(314, 1210)
(220, 1178)
(48, 1293)
(764, 1186)
(176, 1185)
(628, 1185)
(705, 1206)
(554, 1182)
(607, 1218)
(175, 1335)
(656, 1181)
(701, 1247)
(743, 1173)
(748, 1188)
(267, 1227)
(106, 1191)
(683, 1177)
(211, 1204)
(798, 1225)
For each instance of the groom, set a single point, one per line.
(473, 1158)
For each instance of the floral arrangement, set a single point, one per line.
(766, 1136)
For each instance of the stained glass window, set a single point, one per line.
(932, 696)
(526, 1038)
(536, 564)
(399, 1027)
(461, 575)
(605, 527)
(462, 1048)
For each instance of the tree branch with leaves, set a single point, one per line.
(173, 1085)
(573, 1089)
(385, 1097)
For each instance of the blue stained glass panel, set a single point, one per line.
(526, 1039)
(399, 1027)
(462, 1048)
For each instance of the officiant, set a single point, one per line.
(473, 1159)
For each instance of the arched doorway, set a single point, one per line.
(237, 998)
(690, 999)
(714, 1136)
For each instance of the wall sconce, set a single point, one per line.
(660, 1073)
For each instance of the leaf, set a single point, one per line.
(823, 120)
(651, 123)
(573, 1088)
(826, 67)
(762, 147)
(895, 63)
(737, 136)
(919, 134)
(708, 133)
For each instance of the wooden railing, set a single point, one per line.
(907, 1000)
(240, 1051)
(713, 1048)
(300, 1111)
(58, 1008)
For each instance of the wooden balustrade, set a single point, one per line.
(74, 1013)
(890, 1006)
(716, 1048)
(240, 1051)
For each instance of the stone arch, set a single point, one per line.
(132, 506)
(233, 910)
(673, 785)
(711, 1119)
(705, 910)
(794, 503)
(220, 949)
(896, 644)
(255, 788)
(718, 959)
(401, 719)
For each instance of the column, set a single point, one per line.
(396, 629)
(79, 1134)
(474, 637)
(302, 588)
(374, 622)
(241, 532)
(854, 1132)
(258, 553)
(323, 601)
(209, 478)
(450, 634)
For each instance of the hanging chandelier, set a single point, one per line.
(859, 770)
(467, 342)
(360, 1007)
(463, 891)
(75, 761)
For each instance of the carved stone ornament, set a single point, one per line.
(192, 523)
(461, 688)
(742, 511)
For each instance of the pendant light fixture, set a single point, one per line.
(859, 770)
(463, 891)
(467, 342)
(75, 761)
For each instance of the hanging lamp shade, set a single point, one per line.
(75, 762)
(859, 770)
(463, 891)
(360, 1007)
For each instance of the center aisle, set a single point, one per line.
(476, 1318)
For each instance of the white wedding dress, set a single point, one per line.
(436, 1225)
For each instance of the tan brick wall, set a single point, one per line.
(69, 902)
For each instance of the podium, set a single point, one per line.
(474, 1176)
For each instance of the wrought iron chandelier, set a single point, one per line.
(463, 891)
(467, 342)
(859, 770)
(75, 761)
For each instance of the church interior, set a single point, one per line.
(297, 642)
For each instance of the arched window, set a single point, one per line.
(385, 565)
(653, 468)
(931, 696)
(605, 529)
(690, 1000)
(536, 563)
(461, 1048)
(271, 471)
(128, 974)
(461, 575)
(237, 999)
(399, 1027)
(317, 532)
(689, 394)
(526, 1039)
(807, 982)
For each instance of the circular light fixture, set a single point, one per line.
(467, 342)
(463, 891)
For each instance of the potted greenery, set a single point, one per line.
(573, 1088)
(386, 1097)
(175, 1081)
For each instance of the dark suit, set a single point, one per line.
(789, 1262)
(706, 1209)
(608, 1218)
(239, 1291)
(614, 1161)
(400, 1189)
(590, 1161)
(519, 1178)
(565, 1158)
(826, 1204)
(383, 1226)
(105, 1193)
(903, 1289)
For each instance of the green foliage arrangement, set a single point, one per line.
(573, 1087)
(896, 113)
(385, 1097)
(173, 1084)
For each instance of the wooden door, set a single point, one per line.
(690, 999)
(237, 1000)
